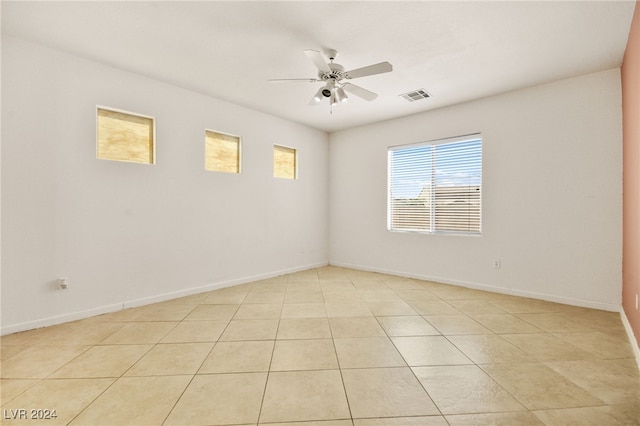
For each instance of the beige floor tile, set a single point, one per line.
(341, 296)
(250, 330)
(258, 311)
(271, 285)
(304, 310)
(626, 414)
(331, 272)
(612, 381)
(80, 333)
(386, 392)
(337, 286)
(434, 307)
(140, 333)
(348, 309)
(39, 361)
(602, 345)
(217, 399)
(369, 285)
(556, 322)
(463, 389)
(521, 305)
(30, 337)
(318, 423)
(489, 349)
(195, 331)
(125, 315)
(356, 327)
(304, 395)
(546, 347)
(171, 359)
(226, 297)
(103, 361)
(367, 352)
(416, 295)
(304, 296)
(193, 300)
(407, 326)
(516, 418)
(134, 401)
(304, 285)
(67, 397)
(564, 362)
(264, 297)
(165, 312)
(505, 323)
(212, 313)
(429, 350)
(238, 357)
(304, 328)
(403, 421)
(404, 285)
(390, 308)
(451, 292)
(537, 386)
(456, 324)
(316, 354)
(380, 295)
(308, 275)
(10, 388)
(7, 351)
(470, 307)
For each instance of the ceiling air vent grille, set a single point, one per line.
(416, 95)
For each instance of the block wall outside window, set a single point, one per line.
(284, 162)
(123, 136)
(222, 152)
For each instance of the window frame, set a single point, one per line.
(152, 156)
(295, 162)
(432, 194)
(206, 131)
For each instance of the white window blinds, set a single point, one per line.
(436, 187)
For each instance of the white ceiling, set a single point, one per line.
(457, 51)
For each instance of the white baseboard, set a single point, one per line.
(73, 316)
(215, 286)
(486, 287)
(59, 319)
(632, 337)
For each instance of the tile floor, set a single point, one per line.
(331, 347)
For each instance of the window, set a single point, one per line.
(125, 137)
(435, 187)
(284, 162)
(222, 152)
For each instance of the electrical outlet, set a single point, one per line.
(496, 263)
(63, 283)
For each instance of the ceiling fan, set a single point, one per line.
(334, 76)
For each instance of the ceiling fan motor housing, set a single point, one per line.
(337, 72)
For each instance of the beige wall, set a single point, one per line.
(551, 194)
(631, 175)
(127, 234)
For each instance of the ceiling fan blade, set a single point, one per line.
(359, 91)
(286, 80)
(380, 68)
(317, 59)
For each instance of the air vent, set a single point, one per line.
(416, 95)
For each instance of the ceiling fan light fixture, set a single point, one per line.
(334, 99)
(341, 96)
(318, 96)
